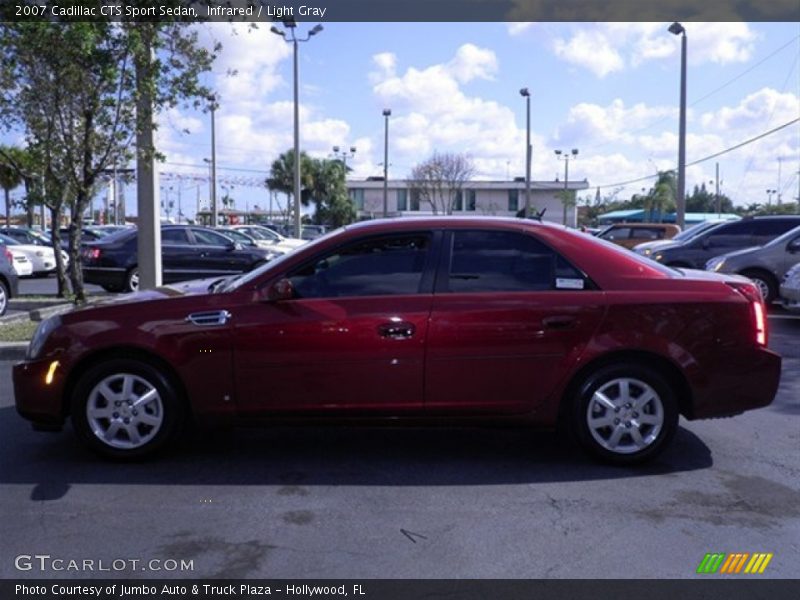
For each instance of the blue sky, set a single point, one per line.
(608, 89)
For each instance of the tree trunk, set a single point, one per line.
(55, 235)
(74, 246)
(8, 207)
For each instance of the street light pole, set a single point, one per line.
(528, 150)
(386, 114)
(291, 25)
(214, 209)
(678, 29)
(565, 156)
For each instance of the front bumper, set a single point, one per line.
(39, 398)
(790, 298)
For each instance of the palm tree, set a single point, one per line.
(10, 178)
(281, 174)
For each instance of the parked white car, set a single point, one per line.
(22, 265)
(266, 238)
(42, 258)
(790, 289)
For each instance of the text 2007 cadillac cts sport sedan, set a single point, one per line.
(435, 318)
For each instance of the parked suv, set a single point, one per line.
(629, 235)
(8, 279)
(765, 266)
(728, 237)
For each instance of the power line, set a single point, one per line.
(702, 160)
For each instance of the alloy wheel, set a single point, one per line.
(625, 415)
(124, 411)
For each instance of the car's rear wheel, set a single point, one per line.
(625, 413)
(4, 295)
(132, 280)
(126, 409)
(765, 283)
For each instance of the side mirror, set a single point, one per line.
(233, 246)
(283, 289)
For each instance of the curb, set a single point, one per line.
(13, 350)
(36, 314)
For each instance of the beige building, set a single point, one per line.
(484, 198)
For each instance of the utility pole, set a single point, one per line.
(214, 213)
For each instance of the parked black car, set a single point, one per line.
(8, 279)
(187, 252)
(695, 252)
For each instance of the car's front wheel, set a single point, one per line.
(625, 413)
(4, 296)
(126, 409)
(765, 283)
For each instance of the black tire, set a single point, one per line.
(132, 280)
(5, 296)
(625, 421)
(765, 283)
(111, 288)
(110, 431)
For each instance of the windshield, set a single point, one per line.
(7, 241)
(695, 230)
(246, 278)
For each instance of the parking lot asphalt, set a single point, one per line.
(408, 503)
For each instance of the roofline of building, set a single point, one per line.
(480, 185)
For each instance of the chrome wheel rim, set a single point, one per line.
(3, 300)
(124, 411)
(762, 286)
(625, 415)
(134, 281)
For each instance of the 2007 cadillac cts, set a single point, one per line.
(476, 318)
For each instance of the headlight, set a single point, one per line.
(658, 256)
(715, 264)
(43, 331)
(647, 251)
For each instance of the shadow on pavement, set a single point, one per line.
(292, 457)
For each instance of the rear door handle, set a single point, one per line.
(397, 331)
(559, 323)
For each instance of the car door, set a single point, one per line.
(215, 254)
(351, 337)
(509, 319)
(177, 255)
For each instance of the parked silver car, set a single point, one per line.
(765, 265)
(790, 289)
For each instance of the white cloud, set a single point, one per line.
(595, 124)
(592, 50)
(606, 48)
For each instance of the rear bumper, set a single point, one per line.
(790, 298)
(112, 277)
(36, 399)
(743, 380)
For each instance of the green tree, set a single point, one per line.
(10, 177)
(74, 89)
(328, 191)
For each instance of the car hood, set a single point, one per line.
(194, 287)
(653, 246)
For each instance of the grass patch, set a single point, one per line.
(21, 331)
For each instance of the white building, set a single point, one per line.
(482, 198)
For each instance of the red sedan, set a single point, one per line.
(475, 318)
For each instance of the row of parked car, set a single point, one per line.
(764, 249)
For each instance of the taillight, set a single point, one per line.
(91, 253)
(8, 255)
(757, 310)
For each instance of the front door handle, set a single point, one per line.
(559, 323)
(397, 331)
